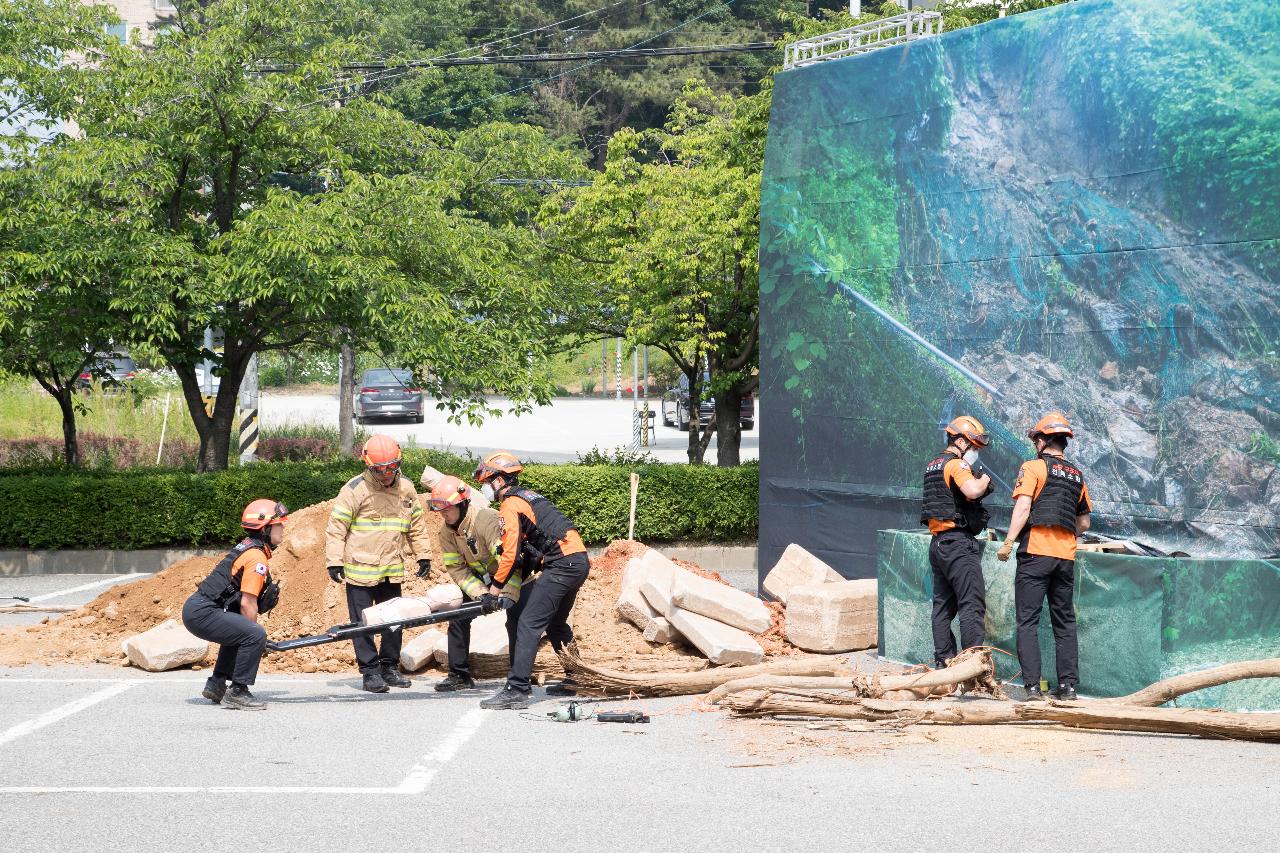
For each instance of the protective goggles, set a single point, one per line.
(385, 468)
(439, 504)
(280, 515)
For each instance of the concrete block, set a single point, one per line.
(488, 654)
(657, 574)
(660, 631)
(632, 605)
(721, 643)
(166, 646)
(444, 596)
(420, 652)
(718, 601)
(832, 617)
(797, 567)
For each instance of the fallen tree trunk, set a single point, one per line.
(1171, 688)
(1187, 721)
(594, 677)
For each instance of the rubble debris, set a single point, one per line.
(717, 601)
(166, 646)
(721, 643)
(797, 567)
(833, 617)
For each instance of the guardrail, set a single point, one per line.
(862, 38)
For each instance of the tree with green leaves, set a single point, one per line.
(663, 245)
(282, 211)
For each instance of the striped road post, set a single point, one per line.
(249, 414)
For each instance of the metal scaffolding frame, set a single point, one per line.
(862, 38)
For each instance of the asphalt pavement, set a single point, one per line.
(560, 432)
(107, 758)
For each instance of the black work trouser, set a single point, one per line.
(241, 641)
(958, 589)
(1036, 578)
(386, 655)
(460, 636)
(546, 609)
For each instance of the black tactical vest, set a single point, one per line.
(946, 502)
(224, 590)
(1059, 500)
(542, 537)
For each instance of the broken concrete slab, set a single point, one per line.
(420, 652)
(660, 631)
(166, 646)
(718, 601)
(489, 644)
(656, 576)
(832, 617)
(721, 643)
(632, 605)
(797, 567)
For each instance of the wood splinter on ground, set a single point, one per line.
(878, 700)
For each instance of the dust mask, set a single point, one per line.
(971, 456)
(487, 491)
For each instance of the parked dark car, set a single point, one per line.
(114, 371)
(676, 412)
(387, 393)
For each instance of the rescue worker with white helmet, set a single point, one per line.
(1051, 507)
(225, 606)
(376, 524)
(954, 486)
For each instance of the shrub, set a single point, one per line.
(158, 508)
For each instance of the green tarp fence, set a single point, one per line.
(1141, 619)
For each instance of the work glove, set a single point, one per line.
(335, 574)
(424, 568)
(1005, 550)
(489, 603)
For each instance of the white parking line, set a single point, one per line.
(415, 783)
(14, 732)
(83, 587)
(421, 774)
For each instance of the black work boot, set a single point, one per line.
(508, 698)
(214, 690)
(1066, 692)
(568, 687)
(392, 677)
(373, 683)
(1034, 694)
(239, 698)
(455, 682)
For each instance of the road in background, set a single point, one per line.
(559, 432)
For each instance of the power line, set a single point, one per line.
(525, 58)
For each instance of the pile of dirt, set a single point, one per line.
(311, 603)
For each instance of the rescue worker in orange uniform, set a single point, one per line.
(225, 606)
(470, 541)
(376, 524)
(536, 538)
(954, 486)
(1051, 507)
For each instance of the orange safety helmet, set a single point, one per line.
(450, 491)
(382, 457)
(1054, 423)
(501, 462)
(971, 428)
(263, 513)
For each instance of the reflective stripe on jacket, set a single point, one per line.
(470, 552)
(374, 530)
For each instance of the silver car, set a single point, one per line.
(387, 393)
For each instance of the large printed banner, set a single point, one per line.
(1077, 208)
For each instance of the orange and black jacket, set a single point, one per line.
(534, 534)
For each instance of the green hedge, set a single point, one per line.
(163, 508)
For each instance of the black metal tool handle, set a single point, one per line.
(338, 633)
(623, 717)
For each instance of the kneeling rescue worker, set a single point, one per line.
(954, 486)
(225, 606)
(1051, 507)
(538, 537)
(470, 541)
(375, 525)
